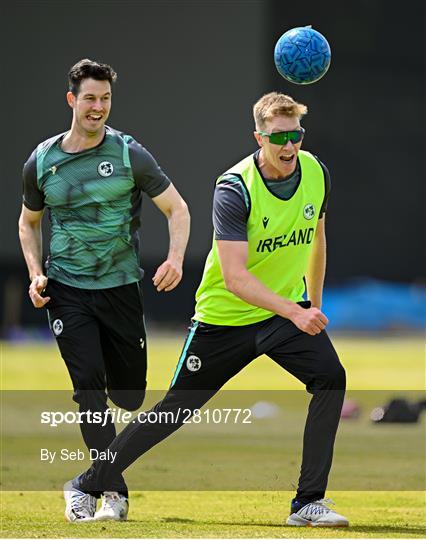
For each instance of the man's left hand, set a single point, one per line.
(167, 276)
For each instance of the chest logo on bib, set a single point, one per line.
(309, 211)
(105, 168)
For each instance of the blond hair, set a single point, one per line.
(274, 104)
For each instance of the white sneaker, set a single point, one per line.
(114, 507)
(80, 506)
(317, 514)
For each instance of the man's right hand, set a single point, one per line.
(311, 320)
(37, 286)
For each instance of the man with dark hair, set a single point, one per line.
(87, 69)
(91, 178)
(269, 246)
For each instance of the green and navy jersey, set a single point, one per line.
(279, 231)
(94, 199)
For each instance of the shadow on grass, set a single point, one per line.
(367, 530)
(394, 529)
(388, 529)
(177, 520)
(370, 529)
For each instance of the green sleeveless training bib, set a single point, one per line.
(280, 237)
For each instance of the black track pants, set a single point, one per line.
(101, 336)
(214, 354)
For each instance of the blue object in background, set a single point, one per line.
(375, 305)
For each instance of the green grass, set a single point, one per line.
(369, 458)
(216, 515)
(371, 364)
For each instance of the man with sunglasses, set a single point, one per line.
(268, 247)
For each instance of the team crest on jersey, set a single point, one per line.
(193, 363)
(105, 168)
(309, 211)
(57, 327)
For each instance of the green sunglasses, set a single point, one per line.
(282, 137)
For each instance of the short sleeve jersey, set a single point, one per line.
(94, 199)
(231, 206)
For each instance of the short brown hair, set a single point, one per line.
(275, 104)
(89, 69)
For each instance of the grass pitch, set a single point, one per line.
(204, 514)
(391, 364)
(371, 364)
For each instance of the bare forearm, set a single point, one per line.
(242, 283)
(179, 223)
(316, 271)
(31, 243)
(247, 287)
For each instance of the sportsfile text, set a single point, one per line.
(55, 418)
(183, 415)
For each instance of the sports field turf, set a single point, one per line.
(389, 365)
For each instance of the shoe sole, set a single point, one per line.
(294, 523)
(82, 520)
